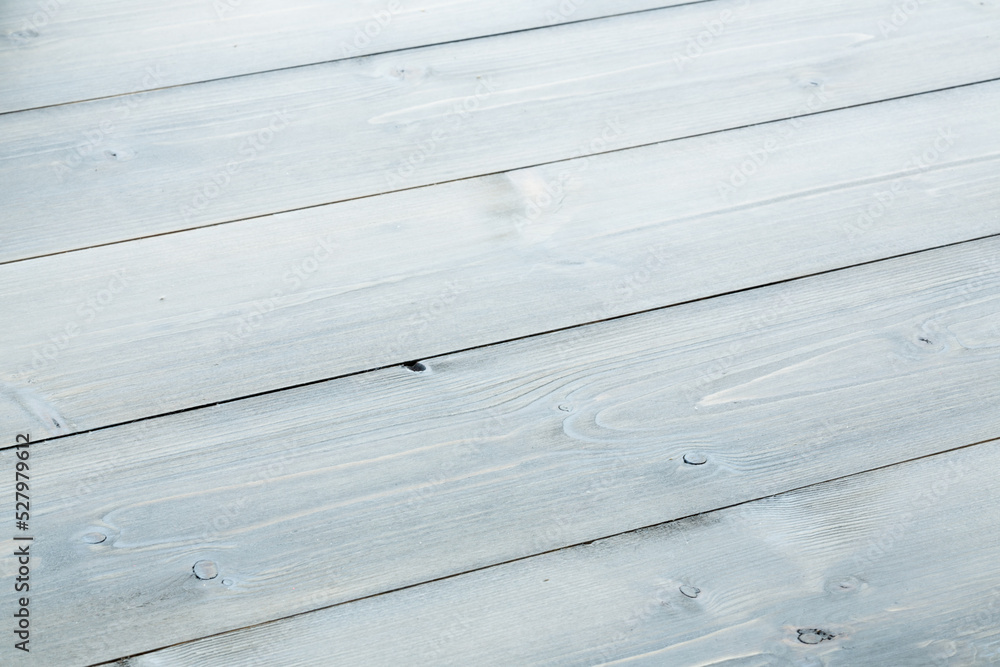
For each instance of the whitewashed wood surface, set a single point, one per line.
(85, 174)
(126, 331)
(59, 51)
(703, 300)
(336, 491)
(894, 567)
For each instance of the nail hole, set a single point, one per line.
(94, 538)
(415, 366)
(205, 570)
(695, 459)
(121, 153)
(690, 591)
(814, 636)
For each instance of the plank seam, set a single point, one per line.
(410, 361)
(366, 55)
(796, 489)
(497, 173)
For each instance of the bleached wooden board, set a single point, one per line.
(195, 319)
(324, 494)
(900, 566)
(85, 174)
(64, 51)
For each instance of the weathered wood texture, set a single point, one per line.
(58, 51)
(229, 311)
(896, 567)
(331, 492)
(97, 172)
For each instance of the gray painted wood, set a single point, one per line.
(897, 567)
(191, 319)
(324, 494)
(115, 47)
(98, 172)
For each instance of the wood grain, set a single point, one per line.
(109, 170)
(324, 494)
(894, 567)
(116, 47)
(122, 332)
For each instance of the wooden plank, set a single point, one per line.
(116, 47)
(122, 332)
(98, 172)
(328, 493)
(894, 567)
